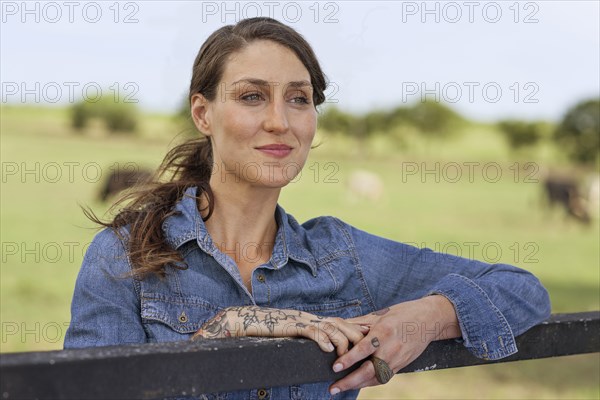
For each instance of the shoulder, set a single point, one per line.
(110, 240)
(108, 252)
(326, 225)
(324, 232)
(344, 236)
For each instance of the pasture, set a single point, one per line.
(477, 200)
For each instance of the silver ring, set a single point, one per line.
(383, 372)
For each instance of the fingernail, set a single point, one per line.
(337, 368)
(365, 327)
(334, 391)
(330, 347)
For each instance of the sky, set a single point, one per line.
(488, 60)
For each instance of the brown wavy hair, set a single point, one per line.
(145, 208)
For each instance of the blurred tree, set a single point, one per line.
(118, 116)
(434, 118)
(430, 118)
(579, 132)
(521, 134)
(377, 121)
(334, 120)
(400, 116)
(79, 116)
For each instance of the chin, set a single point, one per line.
(274, 183)
(275, 177)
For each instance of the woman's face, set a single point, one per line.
(263, 120)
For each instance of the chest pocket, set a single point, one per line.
(342, 309)
(169, 318)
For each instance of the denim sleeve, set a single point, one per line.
(493, 302)
(106, 308)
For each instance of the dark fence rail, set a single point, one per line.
(186, 368)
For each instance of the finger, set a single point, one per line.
(372, 382)
(361, 376)
(337, 336)
(354, 333)
(316, 334)
(360, 351)
(368, 319)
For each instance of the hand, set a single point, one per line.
(397, 335)
(271, 322)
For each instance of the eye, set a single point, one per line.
(299, 97)
(300, 100)
(251, 97)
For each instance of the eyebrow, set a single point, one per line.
(262, 82)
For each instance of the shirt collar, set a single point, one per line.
(185, 224)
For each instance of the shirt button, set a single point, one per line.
(262, 393)
(182, 317)
(261, 278)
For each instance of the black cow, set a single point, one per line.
(564, 192)
(119, 180)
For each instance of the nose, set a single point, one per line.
(276, 118)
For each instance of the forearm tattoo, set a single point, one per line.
(257, 316)
(217, 327)
(248, 317)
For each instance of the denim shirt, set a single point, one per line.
(324, 266)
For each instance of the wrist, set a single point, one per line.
(442, 316)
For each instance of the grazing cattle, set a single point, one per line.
(119, 180)
(565, 192)
(365, 185)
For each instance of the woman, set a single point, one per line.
(209, 253)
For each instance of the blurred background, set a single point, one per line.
(471, 128)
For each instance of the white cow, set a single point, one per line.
(593, 195)
(367, 185)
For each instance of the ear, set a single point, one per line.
(200, 109)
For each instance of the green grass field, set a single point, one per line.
(47, 170)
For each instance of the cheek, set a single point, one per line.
(237, 127)
(306, 127)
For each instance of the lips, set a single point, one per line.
(275, 150)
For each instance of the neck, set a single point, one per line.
(243, 223)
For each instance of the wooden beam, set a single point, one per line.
(153, 370)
